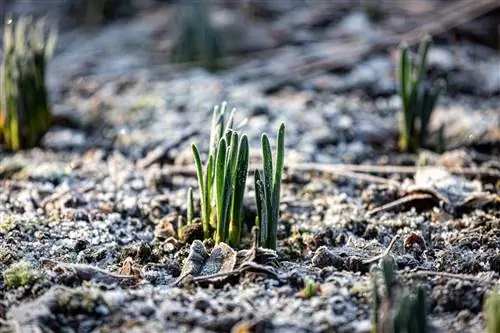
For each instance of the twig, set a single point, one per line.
(366, 177)
(388, 169)
(383, 254)
(449, 17)
(399, 202)
(190, 171)
(59, 195)
(449, 275)
(159, 153)
(217, 275)
(204, 277)
(446, 18)
(350, 170)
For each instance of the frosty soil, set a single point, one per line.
(96, 225)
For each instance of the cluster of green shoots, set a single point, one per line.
(395, 311)
(197, 39)
(222, 182)
(418, 99)
(24, 105)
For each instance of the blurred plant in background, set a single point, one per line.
(197, 39)
(98, 11)
(395, 310)
(24, 105)
(418, 98)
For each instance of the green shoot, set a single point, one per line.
(376, 304)
(310, 289)
(24, 105)
(222, 190)
(492, 312)
(389, 274)
(418, 100)
(205, 180)
(180, 225)
(267, 189)
(230, 182)
(239, 171)
(190, 206)
(395, 310)
(222, 122)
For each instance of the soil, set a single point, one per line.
(88, 221)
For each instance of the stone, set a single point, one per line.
(325, 258)
(441, 59)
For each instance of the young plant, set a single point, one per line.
(310, 289)
(418, 99)
(190, 206)
(396, 311)
(24, 105)
(267, 189)
(197, 39)
(222, 184)
(180, 226)
(492, 312)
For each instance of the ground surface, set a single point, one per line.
(96, 198)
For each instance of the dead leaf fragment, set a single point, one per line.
(436, 184)
(224, 262)
(89, 273)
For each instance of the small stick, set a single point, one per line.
(344, 169)
(383, 254)
(216, 275)
(443, 19)
(189, 171)
(448, 275)
(366, 177)
(206, 277)
(159, 153)
(399, 202)
(387, 169)
(59, 195)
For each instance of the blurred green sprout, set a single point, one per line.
(25, 114)
(394, 309)
(418, 99)
(197, 39)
